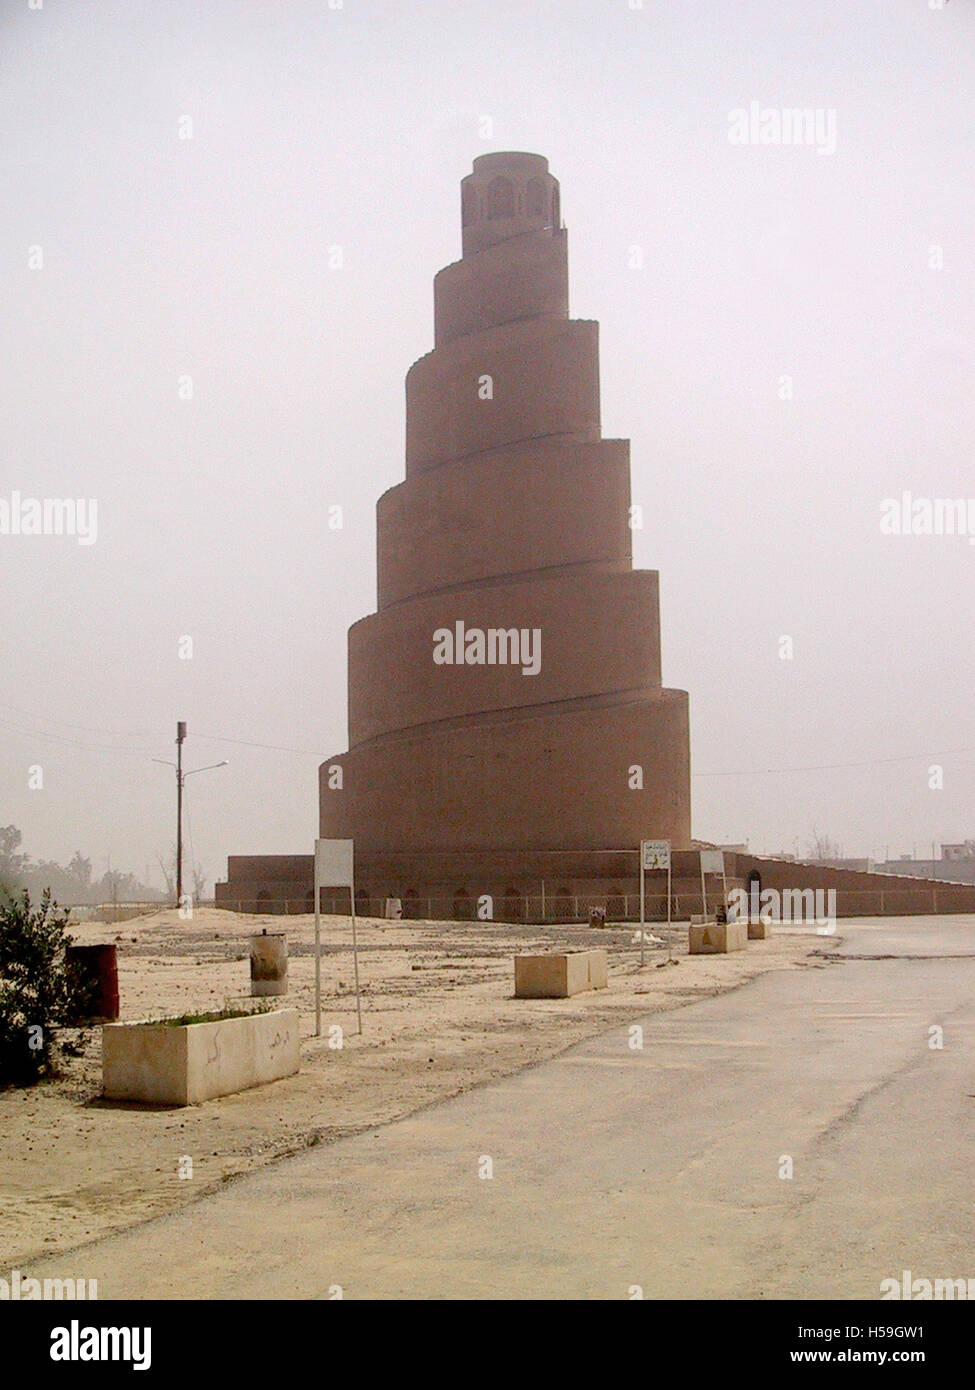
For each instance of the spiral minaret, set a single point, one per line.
(514, 515)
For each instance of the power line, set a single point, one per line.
(85, 728)
(832, 767)
(276, 747)
(73, 742)
(316, 753)
(143, 733)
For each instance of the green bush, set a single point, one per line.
(214, 1015)
(36, 993)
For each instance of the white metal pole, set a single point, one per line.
(670, 933)
(318, 961)
(642, 932)
(355, 957)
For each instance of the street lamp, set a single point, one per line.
(181, 777)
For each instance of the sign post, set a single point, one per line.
(643, 864)
(654, 854)
(355, 955)
(318, 956)
(334, 869)
(712, 862)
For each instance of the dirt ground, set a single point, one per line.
(439, 1017)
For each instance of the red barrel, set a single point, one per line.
(94, 970)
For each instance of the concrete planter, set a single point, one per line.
(717, 938)
(559, 975)
(168, 1064)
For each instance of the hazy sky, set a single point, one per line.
(208, 257)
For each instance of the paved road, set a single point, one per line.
(615, 1167)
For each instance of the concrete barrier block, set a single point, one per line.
(169, 1064)
(759, 931)
(717, 938)
(559, 974)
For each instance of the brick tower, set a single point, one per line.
(510, 532)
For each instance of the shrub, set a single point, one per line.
(214, 1015)
(36, 993)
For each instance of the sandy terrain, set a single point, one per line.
(438, 1018)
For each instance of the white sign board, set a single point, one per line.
(333, 869)
(655, 854)
(712, 861)
(333, 863)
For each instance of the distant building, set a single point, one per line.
(956, 865)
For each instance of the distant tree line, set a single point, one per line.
(72, 883)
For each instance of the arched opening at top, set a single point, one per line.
(501, 198)
(754, 888)
(411, 904)
(535, 198)
(462, 907)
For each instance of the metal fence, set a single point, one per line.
(113, 912)
(527, 908)
(618, 908)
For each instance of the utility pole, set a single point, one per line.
(181, 777)
(180, 736)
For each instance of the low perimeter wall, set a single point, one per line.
(561, 886)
